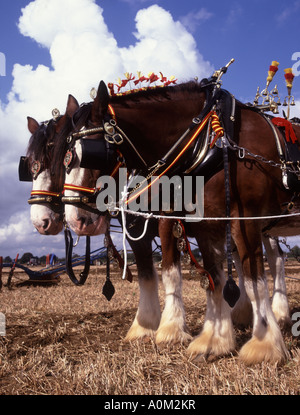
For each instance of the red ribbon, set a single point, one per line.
(289, 76)
(289, 132)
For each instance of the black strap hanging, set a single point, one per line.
(108, 289)
(69, 252)
(231, 291)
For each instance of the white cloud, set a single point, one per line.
(43, 21)
(294, 110)
(193, 19)
(164, 45)
(17, 227)
(235, 13)
(285, 14)
(19, 236)
(83, 51)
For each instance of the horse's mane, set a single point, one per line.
(82, 114)
(157, 93)
(38, 147)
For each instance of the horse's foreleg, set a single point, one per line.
(217, 336)
(266, 343)
(242, 312)
(280, 304)
(172, 326)
(148, 314)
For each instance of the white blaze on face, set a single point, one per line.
(81, 221)
(44, 219)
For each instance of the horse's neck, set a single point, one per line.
(155, 126)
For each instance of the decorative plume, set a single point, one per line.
(289, 77)
(172, 80)
(150, 79)
(272, 71)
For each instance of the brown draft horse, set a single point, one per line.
(153, 120)
(46, 151)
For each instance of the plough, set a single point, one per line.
(47, 274)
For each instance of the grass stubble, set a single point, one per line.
(67, 340)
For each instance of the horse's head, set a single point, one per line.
(89, 156)
(47, 171)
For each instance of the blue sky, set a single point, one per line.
(44, 62)
(253, 32)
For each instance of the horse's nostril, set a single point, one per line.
(82, 222)
(45, 223)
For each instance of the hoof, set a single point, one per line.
(171, 333)
(137, 332)
(206, 344)
(258, 351)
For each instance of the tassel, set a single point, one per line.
(111, 89)
(152, 77)
(272, 71)
(216, 126)
(289, 77)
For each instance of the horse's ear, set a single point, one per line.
(102, 99)
(72, 106)
(32, 124)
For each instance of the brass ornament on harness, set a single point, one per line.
(55, 114)
(93, 93)
(35, 168)
(68, 160)
(111, 136)
(109, 127)
(177, 230)
(188, 258)
(204, 282)
(269, 100)
(181, 244)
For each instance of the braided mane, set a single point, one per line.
(157, 93)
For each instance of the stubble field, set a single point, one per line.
(67, 340)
